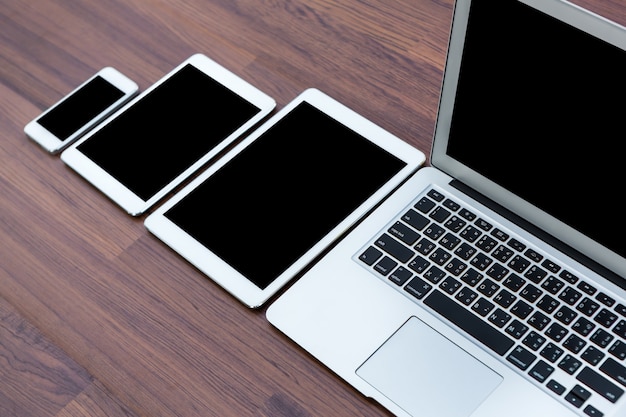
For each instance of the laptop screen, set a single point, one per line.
(539, 111)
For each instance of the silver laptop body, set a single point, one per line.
(492, 283)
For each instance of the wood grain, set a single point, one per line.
(98, 318)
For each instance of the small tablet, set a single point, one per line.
(157, 140)
(272, 204)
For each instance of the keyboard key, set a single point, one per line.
(600, 384)
(605, 299)
(521, 309)
(601, 338)
(424, 205)
(574, 343)
(466, 296)
(481, 261)
(568, 276)
(385, 266)
(541, 371)
(570, 364)
(419, 264)
(516, 244)
(497, 271)
(551, 352)
(467, 215)
(370, 255)
(502, 253)
(400, 276)
(439, 214)
(618, 349)
(620, 329)
(450, 285)
(418, 288)
(486, 243)
(606, 318)
(499, 318)
(587, 288)
(434, 231)
(488, 288)
(483, 307)
(486, 226)
(471, 277)
(591, 411)
(552, 284)
(592, 355)
(452, 205)
(476, 327)
(570, 296)
(587, 306)
(522, 358)
(394, 248)
(535, 274)
(556, 332)
(565, 315)
(514, 282)
(470, 234)
(516, 329)
(550, 266)
(577, 396)
(456, 267)
(434, 274)
(615, 370)
(518, 263)
(435, 195)
(534, 341)
(555, 387)
(425, 246)
(455, 224)
(415, 219)
(533, 255)
(530, 293)
(539, 320)
(500, 235)
(404, 233)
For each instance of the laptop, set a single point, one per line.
(492, 282)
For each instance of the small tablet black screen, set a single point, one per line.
(167, 130)
(283, 193)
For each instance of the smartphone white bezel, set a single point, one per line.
(225, 275)
(53, 144)
(118, 192)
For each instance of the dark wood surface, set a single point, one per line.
(97, 317)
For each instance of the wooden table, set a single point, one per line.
(98, 317)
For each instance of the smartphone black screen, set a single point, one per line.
(80, 107)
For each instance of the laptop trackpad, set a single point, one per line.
(428, 375)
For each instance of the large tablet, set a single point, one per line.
(152, 144)
(270, 206)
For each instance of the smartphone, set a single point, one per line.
(81, 110)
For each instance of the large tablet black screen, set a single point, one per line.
(283, 193)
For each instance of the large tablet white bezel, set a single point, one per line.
(122, 195)
(226, 276)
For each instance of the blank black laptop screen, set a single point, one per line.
(539, 110)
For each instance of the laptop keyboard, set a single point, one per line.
(560, 331)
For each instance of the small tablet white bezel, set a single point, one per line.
(226, 276)
(120, 194)
(54, 144)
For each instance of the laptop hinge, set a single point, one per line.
(543, 235)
